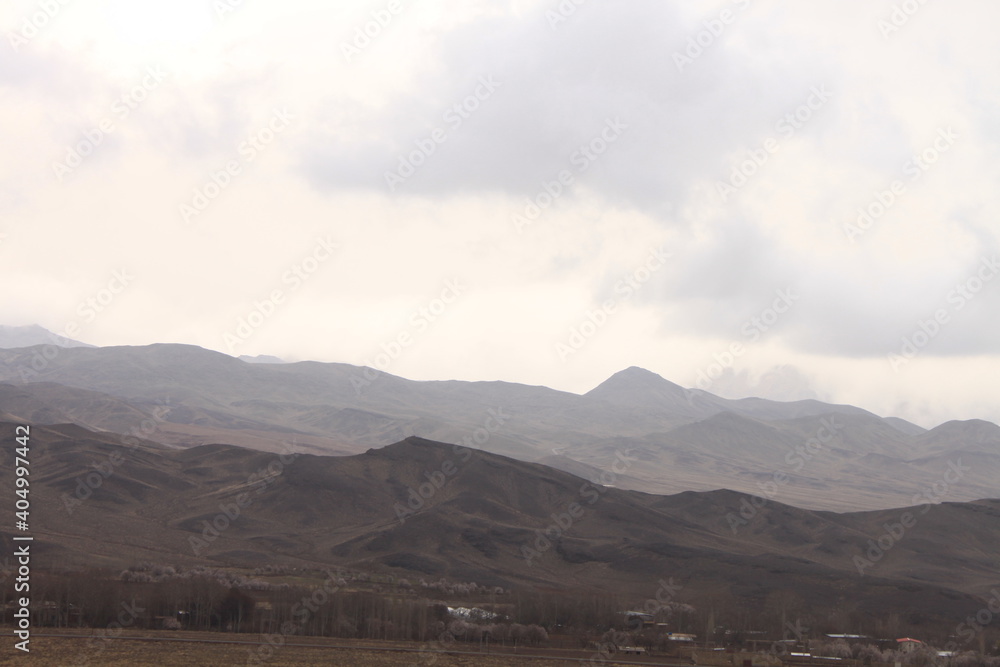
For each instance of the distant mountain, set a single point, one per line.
(32, 334)
(424, 509)
(906, 427)
(637, 388)
(833, 457)
(974, 435)
(780, 383)
(261, 359)
(46, 403)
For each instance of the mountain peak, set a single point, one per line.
(638, 371)
(635, 376)
(261, 359)
(33, 334)
(636, 386)
(976, 430)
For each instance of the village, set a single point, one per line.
(267, 620)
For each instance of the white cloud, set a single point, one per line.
(657, 182)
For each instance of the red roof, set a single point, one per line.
(907, 639)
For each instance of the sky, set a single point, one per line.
(753, 197)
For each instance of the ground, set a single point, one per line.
(190, 649)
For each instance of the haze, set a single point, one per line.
(758, 198)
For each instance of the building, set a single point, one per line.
(907, 644)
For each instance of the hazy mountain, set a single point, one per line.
(835, 457)
(419, 508)
(905, 426)
(974, 435)
(261, 359)
(781, 383)
(32, 334)
(51, 403)
(642, 390)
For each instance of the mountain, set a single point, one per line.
(834, 457)
(32, 334)
(974, 434)
(50, 403)
(641, 390)
(644, 390)
(906, 427)
(261, 359)
(419, 508)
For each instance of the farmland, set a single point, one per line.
(183, 649)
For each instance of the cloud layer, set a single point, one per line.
(541, 154)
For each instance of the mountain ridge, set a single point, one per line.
(402, 509)
(685, 439)
(32, 334)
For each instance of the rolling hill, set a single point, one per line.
(419, 508)
(833, 457)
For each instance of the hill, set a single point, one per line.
(419, 508)
(835, 457)
(32, 334)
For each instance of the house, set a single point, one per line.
(907, 644)
(638, 619)
(632, 650)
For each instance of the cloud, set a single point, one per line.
(557, 90)
(732, 162)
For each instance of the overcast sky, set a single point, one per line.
(536, 191)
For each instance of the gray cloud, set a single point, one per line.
(657, 183)
(558, 90)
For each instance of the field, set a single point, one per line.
(173, 649)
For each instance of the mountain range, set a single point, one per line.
(806, 453)
(178, 455)
(422, 509)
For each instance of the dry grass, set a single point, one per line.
(130, 651)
